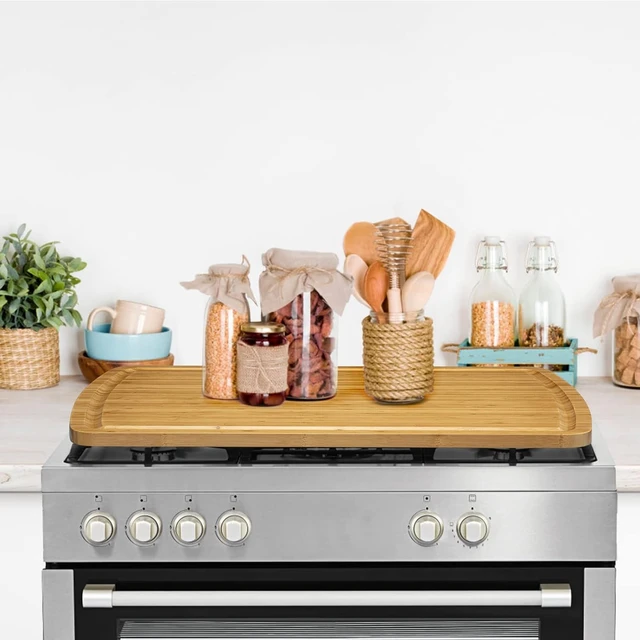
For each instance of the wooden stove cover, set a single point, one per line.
(469, 407)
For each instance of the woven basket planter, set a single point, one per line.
(398, 360)
(29, 359)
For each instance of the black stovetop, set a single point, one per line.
(353, 456)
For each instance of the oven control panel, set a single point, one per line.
(329, 527)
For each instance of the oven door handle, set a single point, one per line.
(105, 596)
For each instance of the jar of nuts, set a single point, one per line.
(305, 292)
(620, 312)
(228, 287)
(492, 299)
(541, 309)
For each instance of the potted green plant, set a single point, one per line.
(37, 297)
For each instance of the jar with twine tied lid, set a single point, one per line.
(228, 288)
(304, 291)
(263, 356)
(620, 312)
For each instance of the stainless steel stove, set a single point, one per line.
(331, 543)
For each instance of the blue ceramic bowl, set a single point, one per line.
(102, 345)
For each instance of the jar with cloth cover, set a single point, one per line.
(304, 291)
(620, 312)
(228, 288)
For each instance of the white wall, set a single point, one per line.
(156, 138)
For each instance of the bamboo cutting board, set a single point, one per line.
(494, 408)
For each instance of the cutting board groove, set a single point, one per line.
(495, 408)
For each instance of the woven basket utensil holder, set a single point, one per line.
(398, 360)
(29, 359)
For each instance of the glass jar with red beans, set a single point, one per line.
(263, 356)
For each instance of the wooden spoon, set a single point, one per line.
(431, 240)
(356, 267)
(360, 240)
(416, 291)
(376, 283)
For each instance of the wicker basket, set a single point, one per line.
(398, 360)
(29, 359)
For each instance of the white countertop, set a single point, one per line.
(32, 424)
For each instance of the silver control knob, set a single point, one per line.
(473, 529)
(98, 528)
(426, 528)
(233, 528)
(143, 528)
(188, 528)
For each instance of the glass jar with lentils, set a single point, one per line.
(493, 301)
(228, 288)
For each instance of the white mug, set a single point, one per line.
(131, 317)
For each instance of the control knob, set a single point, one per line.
(188, 528)
(426, 528)
(98, 528)
(143, 528)
(473, 529)
(233, 528)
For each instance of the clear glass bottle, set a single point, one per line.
(542, 310)
(493, 320)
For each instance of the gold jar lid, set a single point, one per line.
(262, 327)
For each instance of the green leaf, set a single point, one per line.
(2, 283)
(39, 261)
(68, 318)
(4, 271)
(41, 287)
(13, 274)
(21, 229)
(71, 302)
(76, 316)
(15, 305)
(3, 301)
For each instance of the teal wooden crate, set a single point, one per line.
(514, 356)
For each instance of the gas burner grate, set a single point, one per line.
(210, 456)
(152, 455)
(333, 455)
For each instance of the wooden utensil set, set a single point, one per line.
(394, 266)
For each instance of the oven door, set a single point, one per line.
(255, 602)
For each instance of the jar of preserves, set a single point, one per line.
(541, 310)
(492, 299)
(305, 292)
(263, 355)
(228, 288)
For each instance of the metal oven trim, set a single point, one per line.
(58, 604)
(599, 603)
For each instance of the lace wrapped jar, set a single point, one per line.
(304, 291)
(619, 313)
(227, 286)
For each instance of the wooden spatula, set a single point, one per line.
(432, 240)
